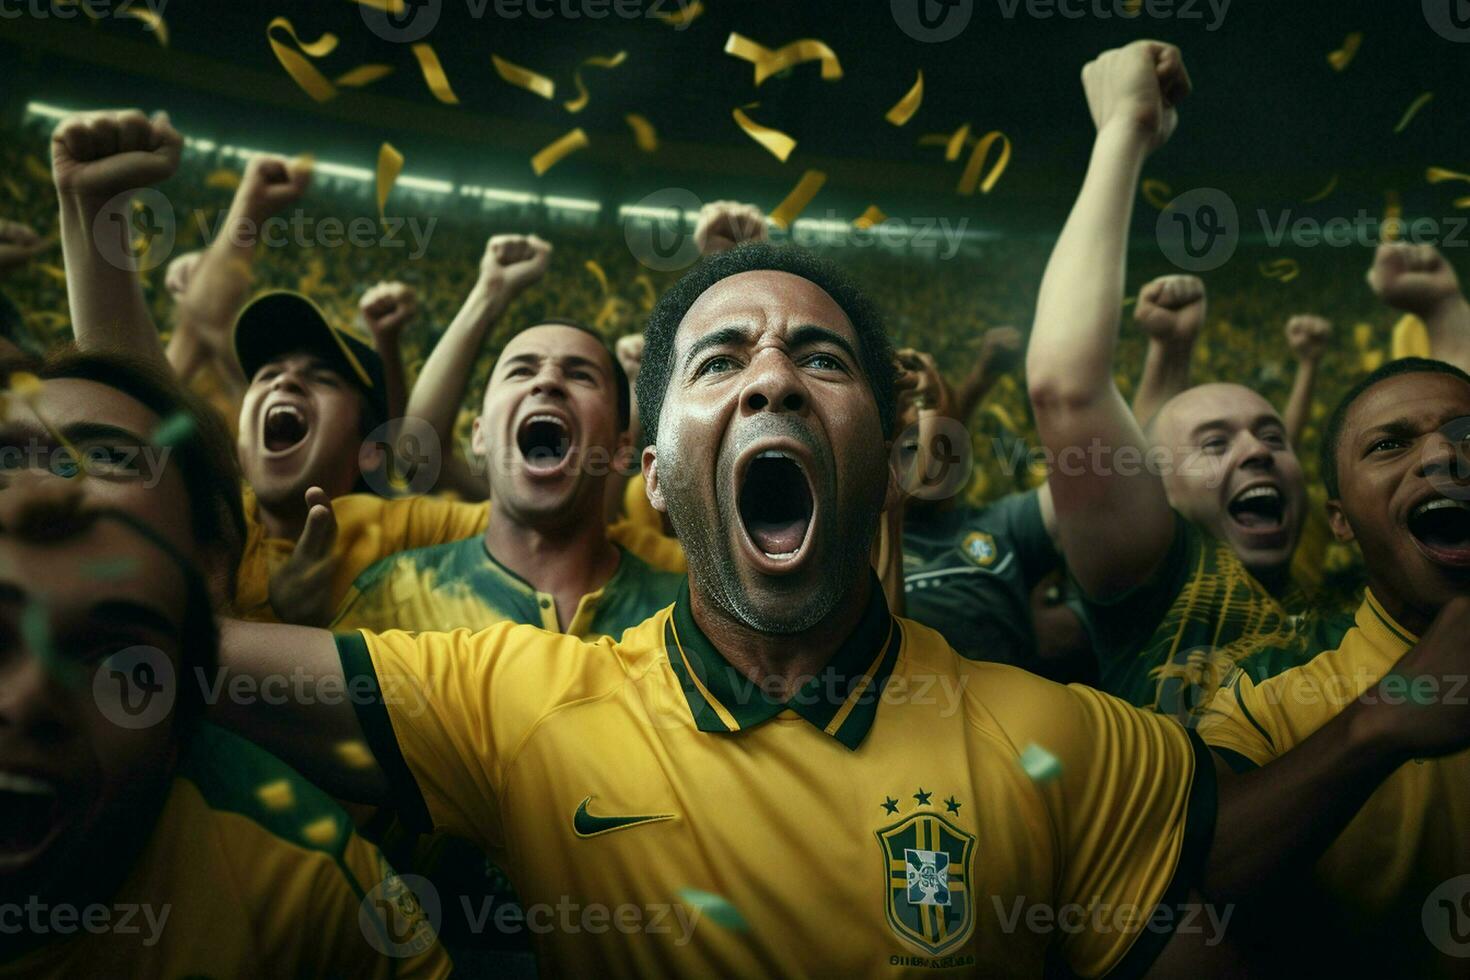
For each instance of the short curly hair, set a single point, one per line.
(875, 350)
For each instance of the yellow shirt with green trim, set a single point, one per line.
(250, 872)
(1387, 888)
(1169, 642)
(660, 815)
(460, 584)
(369, 528)
(657, 549)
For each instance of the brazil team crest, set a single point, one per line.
(927, 870)
(979, 547)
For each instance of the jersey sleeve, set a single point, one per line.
(1257, 717)
(444, 713)
(436, 520)
(1020, 516)
(1131, 801)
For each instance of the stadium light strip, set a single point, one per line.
(571, 203)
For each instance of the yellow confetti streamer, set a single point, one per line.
(1393, 216)
(303, 72)
(1362, 335)
(1462, 202)
(595, 268)
(1324, 193)
(873, 216)
(1410, 338)
(386, 6)
(683, 17)
(580, 102)
(434, 73)
(223, 180)
(971, 176)
(650, 295)
(1157, 193)
(953, 143)
(154, 21)
(552, 154)
(774, 140)
(54, 271)
(768, 62)
(390, 165)
(1438, 175)
(1343, 56)
(1282, 270)
(905, 108)
(1413, 111)
(1372, 360)
(801, 195)
(643, 132)
(523, 77)
(363, 75)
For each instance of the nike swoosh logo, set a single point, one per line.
(589, 825)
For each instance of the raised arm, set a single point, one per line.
(1000, 349)
(297, 705)
(99, 161)
(1113, 528)
(386, 309)
(1417, 279)
(1308, 337)
(1170, 310)
(512, 264)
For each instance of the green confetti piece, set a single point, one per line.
(715, 908)
(174, 429)
(1040, 764)
(110, 569)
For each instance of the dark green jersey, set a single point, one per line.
(1167, 643)
(459, 585)
(968, 572)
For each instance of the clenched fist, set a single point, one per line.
(514, 263)
(97, 155)
(1308, 336)
(180, 273)
(1412, 278)
(629, 352)
(270, 185)
(724, 224)
(1171, 309)
(386, 307)
(1138, 87)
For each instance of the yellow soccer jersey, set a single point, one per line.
(1389, 882)
(657, 549)
(902, 815)
(369, 528)
(250, 872)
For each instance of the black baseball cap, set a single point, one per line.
(282, 322)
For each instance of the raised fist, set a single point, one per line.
(1171, 309)
(270, 185)
(180, 273)
(629, 351)
(386, 307)
(1308, 336)
(1000, 347)
(1139, 87)
(514, 263)
(97, 155)
(19, 244)
(724, 224)
(1412, 278)
(919, 380)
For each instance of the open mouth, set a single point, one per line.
(30, 817)
(1261, 509)
(544, 441)
(1441, 527)
(285, 428)
(776, 505)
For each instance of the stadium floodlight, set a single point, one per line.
(425, 184)
(571, 203)
(654, 214)
(822, 224)
(509, 197)
(47, 110)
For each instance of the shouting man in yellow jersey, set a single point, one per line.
(815, 786)
(136, 840)
(1393, 890)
